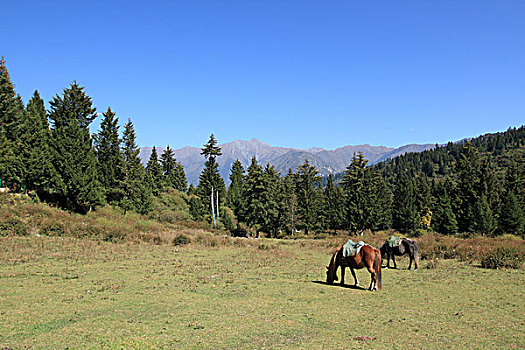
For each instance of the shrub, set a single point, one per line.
(13, 226)
(181, 240)
(503, 257)
(53, 229)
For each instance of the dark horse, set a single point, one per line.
(368, 257)
(407, 246)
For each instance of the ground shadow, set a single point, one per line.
(347, 286)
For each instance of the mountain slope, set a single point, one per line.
(326, 161)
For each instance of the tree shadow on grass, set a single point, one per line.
(347, 286)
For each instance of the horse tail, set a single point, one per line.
(377, 268)
(416, 255)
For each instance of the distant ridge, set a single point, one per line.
(326, 161)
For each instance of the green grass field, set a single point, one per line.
(59, 293)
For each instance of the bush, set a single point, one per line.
(503, 257)
(53, 229)
(181, 240)
(13, 226)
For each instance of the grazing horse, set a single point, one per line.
(368, 257)
(406, 246)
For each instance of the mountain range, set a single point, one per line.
(326, 161)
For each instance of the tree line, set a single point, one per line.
(475, 186)
(52, 153)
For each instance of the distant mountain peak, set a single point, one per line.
(326, 161)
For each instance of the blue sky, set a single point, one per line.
(289, 73)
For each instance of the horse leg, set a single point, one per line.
(411, 256)
(394, 260)
(342, 275)
(373, 278)
(356, 281)
(387, 260)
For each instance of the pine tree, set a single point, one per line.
(154, 173)
(73, 155)
(443, 218)
(255, 196)
(355, 188)
(210, 177)
(172, 170)
(272, 201)
(306, 180)
(167, 160)
(290, 205)
(511, 217)
(234, 196)
(11, 110)
(39, 170)
(110, 160)
(333, 205)
(137, 193)
(404, 212)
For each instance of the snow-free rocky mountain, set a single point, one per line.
(326, 161)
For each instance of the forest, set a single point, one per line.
(474, 186)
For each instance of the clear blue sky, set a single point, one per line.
(289, 73)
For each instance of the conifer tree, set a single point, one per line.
(306, 180)
(73, 155)
(333, 205)
(154, 172)
(355, 188)
(167, 160)
(179, 177)
(272, 200)
(255, 197)
(405, 217)
(210, 177)
(36, 144)
(9, 107)
(290, 205)
(511, 218)
(172, 170)
(11, 110)
(234, 195)
(110, 160)
(137, 194)
(443, 218)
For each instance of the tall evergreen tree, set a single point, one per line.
(255, 197)
(172, 170)
(355, 188)
(154, 172)
(443, 218)
(333, 205)
(290, 205)
(38, 157)
(272, 201)
(73, 155)
(110, 160)
(235, 194)
(11, 109)
(137, 193)
(306, 180)
(210, 177)
(405, 217)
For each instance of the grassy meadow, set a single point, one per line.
(223, 293)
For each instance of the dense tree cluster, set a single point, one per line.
(473, 186)
(53, 154)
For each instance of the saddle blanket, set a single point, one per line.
(394, 241)
(352, 248)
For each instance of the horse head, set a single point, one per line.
(331, 274)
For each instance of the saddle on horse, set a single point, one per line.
(351, 248)
(394, 241)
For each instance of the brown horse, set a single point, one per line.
(368, 257)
